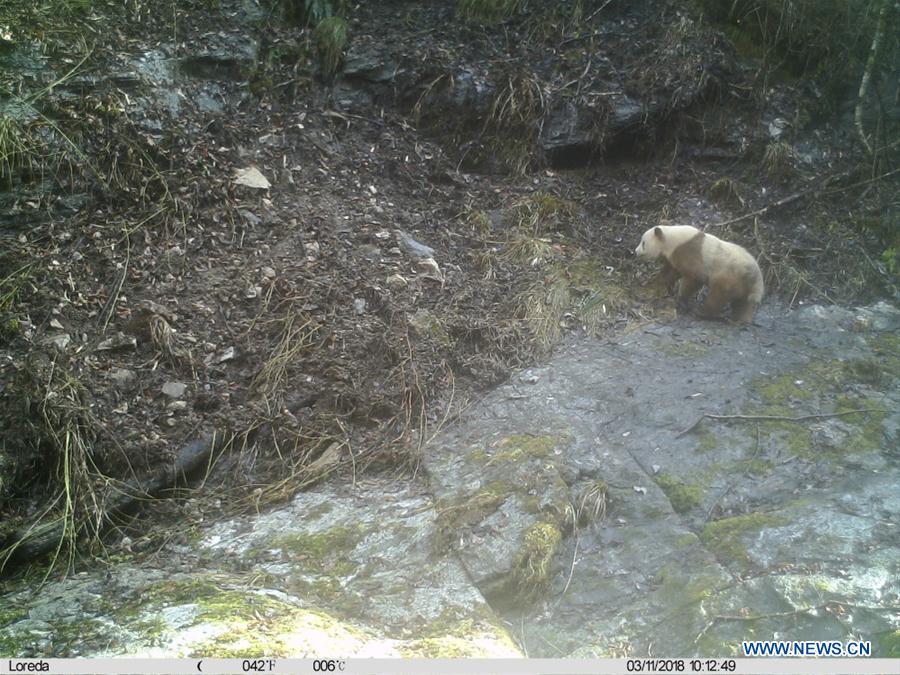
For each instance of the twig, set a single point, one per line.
(346, 117)
(779, 418)
(110, 306)
(571, 569)
(781, 202)
(598, 10)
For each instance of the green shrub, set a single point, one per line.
(331, 38)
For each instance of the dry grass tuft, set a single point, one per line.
(777, 158)
(56, 445)
(578, 294)
(592, 503)
(331, 38)
(726, 192)
(297, 334)
(528, 250)
(540, 213)
(515, 121)
(19, 151)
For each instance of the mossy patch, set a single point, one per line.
(522, 447)
(681, 589)
(469, 510)
(821, 381)
(755, 466)
(324, 552)
(683, 541)
(337, 540)
(784, 389)
(868, 432)
(685, 349)
(461, 633)
(427, 324)
(9, 615)
(447, 647)
(12, 644)
(246, 623)
(887, 352)
(531, 570)
(282, 631)
(725, 538)
(707, 441)
(682, 496)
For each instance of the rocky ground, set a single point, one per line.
(596, 505)
(204, 233)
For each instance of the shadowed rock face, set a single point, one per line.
(569, 502)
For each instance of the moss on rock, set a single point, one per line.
(519, 447)
(531, 570)
(682, 496)
(725, 537)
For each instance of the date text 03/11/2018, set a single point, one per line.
(681, 665)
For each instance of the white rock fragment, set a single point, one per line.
(121, 376)
(117, 341)
(413, 248)
(396, 281)
(251, 178)
(429, 268)
(60, 341)
(174, 389)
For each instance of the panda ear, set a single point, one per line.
(657, 231)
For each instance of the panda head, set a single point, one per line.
(651, 245)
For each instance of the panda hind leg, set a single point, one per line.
(714, 304)
(742, 310)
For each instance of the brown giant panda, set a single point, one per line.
(700, 259)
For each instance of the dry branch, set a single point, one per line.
(777, 418)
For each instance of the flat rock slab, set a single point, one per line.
(338, 572)
(582, 509)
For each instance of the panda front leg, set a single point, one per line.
(714, 304)
(667, 278)
(690, 286)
